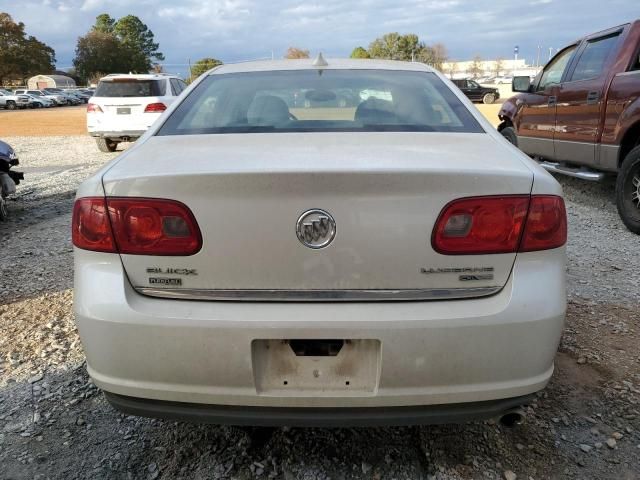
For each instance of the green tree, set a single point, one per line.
(112, 46)
(203, 65)
(21, 56)
(295, 52)
(104, 23)
(137, 41)
(394, 46)
(100, 52)
(359, 52)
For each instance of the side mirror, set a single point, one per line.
(521, 84)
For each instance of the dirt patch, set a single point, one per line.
(43, 122)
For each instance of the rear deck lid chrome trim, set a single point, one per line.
(372, 295)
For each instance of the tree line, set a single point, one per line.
(21, 55)
(128, 45)
(408, 47)
(116, 46)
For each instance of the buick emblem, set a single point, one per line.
(316, 228)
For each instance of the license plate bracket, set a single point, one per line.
(354, 371)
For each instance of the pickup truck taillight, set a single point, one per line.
(500, 224)
(135, 226)
(92, 107)
(155, 108)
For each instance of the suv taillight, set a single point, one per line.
(155, 108)
(92, 107)
(500, 224)
(135, 226)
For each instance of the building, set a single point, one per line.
(488, 68)
(50, 81)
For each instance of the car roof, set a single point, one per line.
(140, 76)
(308, 64)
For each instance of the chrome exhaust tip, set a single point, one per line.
(512, 417)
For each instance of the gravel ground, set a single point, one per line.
(54, 423)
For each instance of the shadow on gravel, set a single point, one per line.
(58, 425)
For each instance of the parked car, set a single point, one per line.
(354, 266)
(476, 92)
(125, 106)
(56, 98)
(505, 80)
(581, 114)
(11, 101)
(40, 102)
(71, 98)
(83, 95)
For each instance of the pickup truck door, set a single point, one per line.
(537, 109)
(580, 100)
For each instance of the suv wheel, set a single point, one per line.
(106, 145)
(11, 105)
(628, 191)
(3, 209)
(488, 98)
(510, 134)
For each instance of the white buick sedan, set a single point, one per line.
(328, 242)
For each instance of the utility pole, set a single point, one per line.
(550, 52)
(538, 59)
(190, 71)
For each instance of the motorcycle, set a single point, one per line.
(8, 178)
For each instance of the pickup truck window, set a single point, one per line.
(553, 73)
(635, 65)
(594, 56)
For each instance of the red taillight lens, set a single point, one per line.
(484, 225)
(92, 107)
(143, 226)
(472, 226)
(90, 228)
(155, 108)
(546, 224)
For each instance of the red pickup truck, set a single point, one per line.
(581, 115)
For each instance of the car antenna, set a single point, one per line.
(320, 61)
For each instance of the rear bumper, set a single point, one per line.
(315, 417)
(118, 136)
(430, 353)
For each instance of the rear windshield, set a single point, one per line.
(128, 87)
(320, 101)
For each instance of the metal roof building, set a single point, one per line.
(50, 81)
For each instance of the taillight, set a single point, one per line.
(92, 107)
(546, 224)
(90, 228)
(155, 108)
(500, 224)
(136, 226)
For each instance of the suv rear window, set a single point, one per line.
(129, 87)
(320, 101)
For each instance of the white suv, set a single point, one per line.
(125, 106)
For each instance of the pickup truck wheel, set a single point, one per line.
(510, 134)
(106, 145)
(628, 191)
(11, 105)
(488, 98)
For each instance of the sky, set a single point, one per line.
(238, 30)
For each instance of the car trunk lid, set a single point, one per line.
(385, 192)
